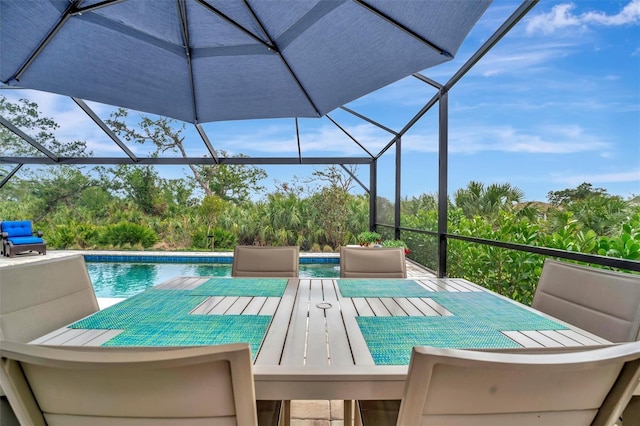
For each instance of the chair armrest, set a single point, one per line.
(39, 233)
(5, 235)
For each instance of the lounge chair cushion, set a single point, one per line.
(18, 228)
(17, 241)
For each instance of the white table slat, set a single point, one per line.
(408, 307)
(359, 348)
(583, 338)
(546, 341)
(239, 306)
(294, 347)
(362, 307)
(394, 309)
(522, 340)
(317, 352)
(274, 340)
(453, 285)
(169, 284)
(184, 283)
(270, 306)
(559, 337)
(429, 285)
(378, 307)
(441, 310)
(467, 285)
(86, 337)
(254, 306)
(224, 305)
(104, 337)
(339, 349)
(207, 305)
(49, 336)
(426, 309)
(443, 285)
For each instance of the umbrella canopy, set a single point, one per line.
(213, 60)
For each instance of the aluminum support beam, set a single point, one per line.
(10, 175)
(354, 177)
(443, 184)
(349, 135)
(52, 157)
(207, 142)
(171, 161)
(515, 17)
(104, 127)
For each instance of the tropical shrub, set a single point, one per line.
(125, 235)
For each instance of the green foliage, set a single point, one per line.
(394, 243)
(475, 199)
(142, 185)
(331, 212)
(223, 240)
(581, 192)
(626, 245)
(125, 235)
(366, 238)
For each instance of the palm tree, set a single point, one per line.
(476, 200)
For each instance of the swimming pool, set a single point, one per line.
(125, 276)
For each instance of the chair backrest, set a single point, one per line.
(17, 228)
(364, 262)
(458, 387)
(108, 386)
(258, 261)
(605, 303)
(42, 296)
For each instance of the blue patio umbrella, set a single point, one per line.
(213, 60)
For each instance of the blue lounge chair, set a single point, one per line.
(18, 237)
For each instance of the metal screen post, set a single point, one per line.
(443, 154)
(398, 187)
(373, 195)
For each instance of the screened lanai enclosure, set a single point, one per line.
(213, 65)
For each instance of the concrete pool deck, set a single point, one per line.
(303, 413)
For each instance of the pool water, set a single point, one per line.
(121, 279)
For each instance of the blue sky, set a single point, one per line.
(554, 104)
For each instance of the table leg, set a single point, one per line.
(348, 412)
(285, 414)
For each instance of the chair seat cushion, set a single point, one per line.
(25, 240)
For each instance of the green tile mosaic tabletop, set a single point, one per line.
(478, 321)
(363, 287)
(252, 287)
(161, 318)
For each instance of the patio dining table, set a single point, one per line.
(325, 339)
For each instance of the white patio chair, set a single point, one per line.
(603, 302)
(116, 386)
(271, 261)
(448, 387)
(41, 296)
(380, 262)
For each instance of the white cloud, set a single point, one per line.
(561, 16)
(546, 140)
(600, 178)
(519, 59)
